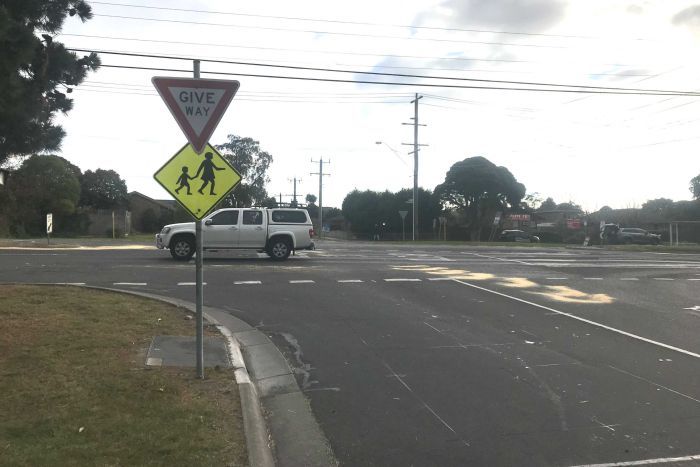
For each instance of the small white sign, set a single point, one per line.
(49, 223)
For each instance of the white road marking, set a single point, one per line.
(302, 282)
(654, 384)
(247, 283)
(129, 283)
(663, 279)
(661, 460)
(629, 278)
(693, 308)
(502, 259)
(449, 279)
(69, 283)
(402, 280)
(584, 320)
(694, 279)
(350, 281)
(557, 278)
(592, 278)
(190, 283)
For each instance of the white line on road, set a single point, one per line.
(663, 279)
(350, 281)
(190, 283)
(129, 283)
(449, 279)
(69, 283)
(653, 383)
(557, 278)
(584, 320)
(302, 282)
(661, 460)
(247, 283)
(629, 278)
(402, 280)
(592, 278)
(694, 279)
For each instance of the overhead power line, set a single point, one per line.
(415, 85)
(331, 33)
(360, 23)
(327, 52)
(401, 75)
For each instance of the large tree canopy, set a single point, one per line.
(42, 185)
(480, 188)
(102, 189)
(36, 72)
(252, 163)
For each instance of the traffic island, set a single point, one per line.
(75, 388)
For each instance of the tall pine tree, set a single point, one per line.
(36, 73)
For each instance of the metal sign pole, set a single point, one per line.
(199, 279)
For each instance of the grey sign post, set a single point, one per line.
(197, 106)
(403, 224)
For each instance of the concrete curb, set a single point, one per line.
(254, 425)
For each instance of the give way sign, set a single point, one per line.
(197, 104)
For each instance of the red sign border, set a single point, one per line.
(230, 87)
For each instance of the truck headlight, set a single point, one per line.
(165, 230)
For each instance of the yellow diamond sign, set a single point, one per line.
(198, 181)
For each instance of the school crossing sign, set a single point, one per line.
(198, 181)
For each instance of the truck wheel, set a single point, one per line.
(182, 248)
(279, 250)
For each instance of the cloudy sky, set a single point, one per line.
(593, 149)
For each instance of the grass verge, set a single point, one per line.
(75, 391)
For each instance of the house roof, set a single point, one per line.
(165, 203)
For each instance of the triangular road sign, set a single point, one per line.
(197, 104)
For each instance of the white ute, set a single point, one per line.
(276, 231)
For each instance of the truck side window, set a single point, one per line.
(252, 218)
(225, 218)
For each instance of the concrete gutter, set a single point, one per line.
(294, 434)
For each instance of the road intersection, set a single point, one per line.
(455, 355)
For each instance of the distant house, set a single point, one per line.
(149, 215)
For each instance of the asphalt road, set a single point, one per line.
(453, 355)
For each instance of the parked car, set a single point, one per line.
(277, 232)
(638, 236)
(517, 236)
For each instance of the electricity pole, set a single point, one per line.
(294, 202)
(414, 220)
(320, 193)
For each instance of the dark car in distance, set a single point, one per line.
(517, 236)
(638, 236)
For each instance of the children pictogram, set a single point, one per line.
(207, 168)
(183, 181)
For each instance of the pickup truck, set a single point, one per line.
(276, 231)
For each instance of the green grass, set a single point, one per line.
(74, 389)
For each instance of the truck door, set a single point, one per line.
(221, 230)
(253, 232)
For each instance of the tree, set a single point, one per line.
(42, 185)
(103, 189)
(252, 163)
(480, 188)
(568, 206)
(365, 209)
(548, 205)
(695, 187)
(310, 199)
(35, 70)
